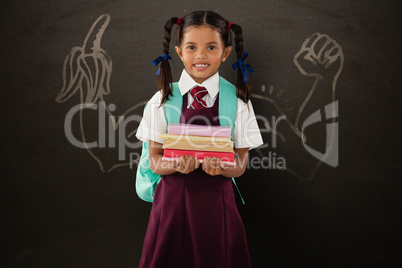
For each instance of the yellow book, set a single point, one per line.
(208, 145)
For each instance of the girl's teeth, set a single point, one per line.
(201, 65)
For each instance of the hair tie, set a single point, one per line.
(178, 22)
(160, 59)
(230, 25)
(244, 67)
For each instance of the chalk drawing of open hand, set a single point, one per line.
(87, 70)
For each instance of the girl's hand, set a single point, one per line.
(187, 164)
(213, 166)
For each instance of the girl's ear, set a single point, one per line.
(226, 53)
(178, 51)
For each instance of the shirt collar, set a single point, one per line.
(186, 83)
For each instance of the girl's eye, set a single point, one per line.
(211, 47)
(191, 47)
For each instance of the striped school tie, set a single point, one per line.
(198, 93)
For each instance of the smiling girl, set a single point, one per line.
(194, 221)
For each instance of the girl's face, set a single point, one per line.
(202, 52)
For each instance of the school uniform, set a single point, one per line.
(194, 221)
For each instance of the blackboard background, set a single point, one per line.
(60, 210)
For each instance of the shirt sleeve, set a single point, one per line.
(153, 121)
(246, 132)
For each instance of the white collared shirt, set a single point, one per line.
(186, 83)
(245, 133)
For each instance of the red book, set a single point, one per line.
(174, 153)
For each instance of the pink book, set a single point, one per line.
(199, 130)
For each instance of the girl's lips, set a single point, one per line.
(201, 66)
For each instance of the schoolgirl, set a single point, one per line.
(194, 221)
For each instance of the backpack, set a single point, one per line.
(146, 180)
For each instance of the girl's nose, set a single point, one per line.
(201, 54)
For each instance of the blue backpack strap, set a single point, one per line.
(173, 105)
(227, 103)
(228, 111)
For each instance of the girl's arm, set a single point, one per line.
(213, 166)
(185, 164)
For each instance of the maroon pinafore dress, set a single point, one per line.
(194, 221)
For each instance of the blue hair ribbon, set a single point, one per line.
(160, 59)
(243, 66)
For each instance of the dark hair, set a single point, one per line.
(217, 22)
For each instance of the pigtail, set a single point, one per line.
(243, 88)
(164, 78)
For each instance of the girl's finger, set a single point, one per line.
(180, 166)
(205, 164)
(176, 163)
(192, 161)
(214, 166)
(215, 163)
(223, 166)
(190, 164)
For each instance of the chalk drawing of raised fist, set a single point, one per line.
(320, 57)
(317, 54)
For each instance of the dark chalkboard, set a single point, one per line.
(324, 191)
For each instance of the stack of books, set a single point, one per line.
(199, 141)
